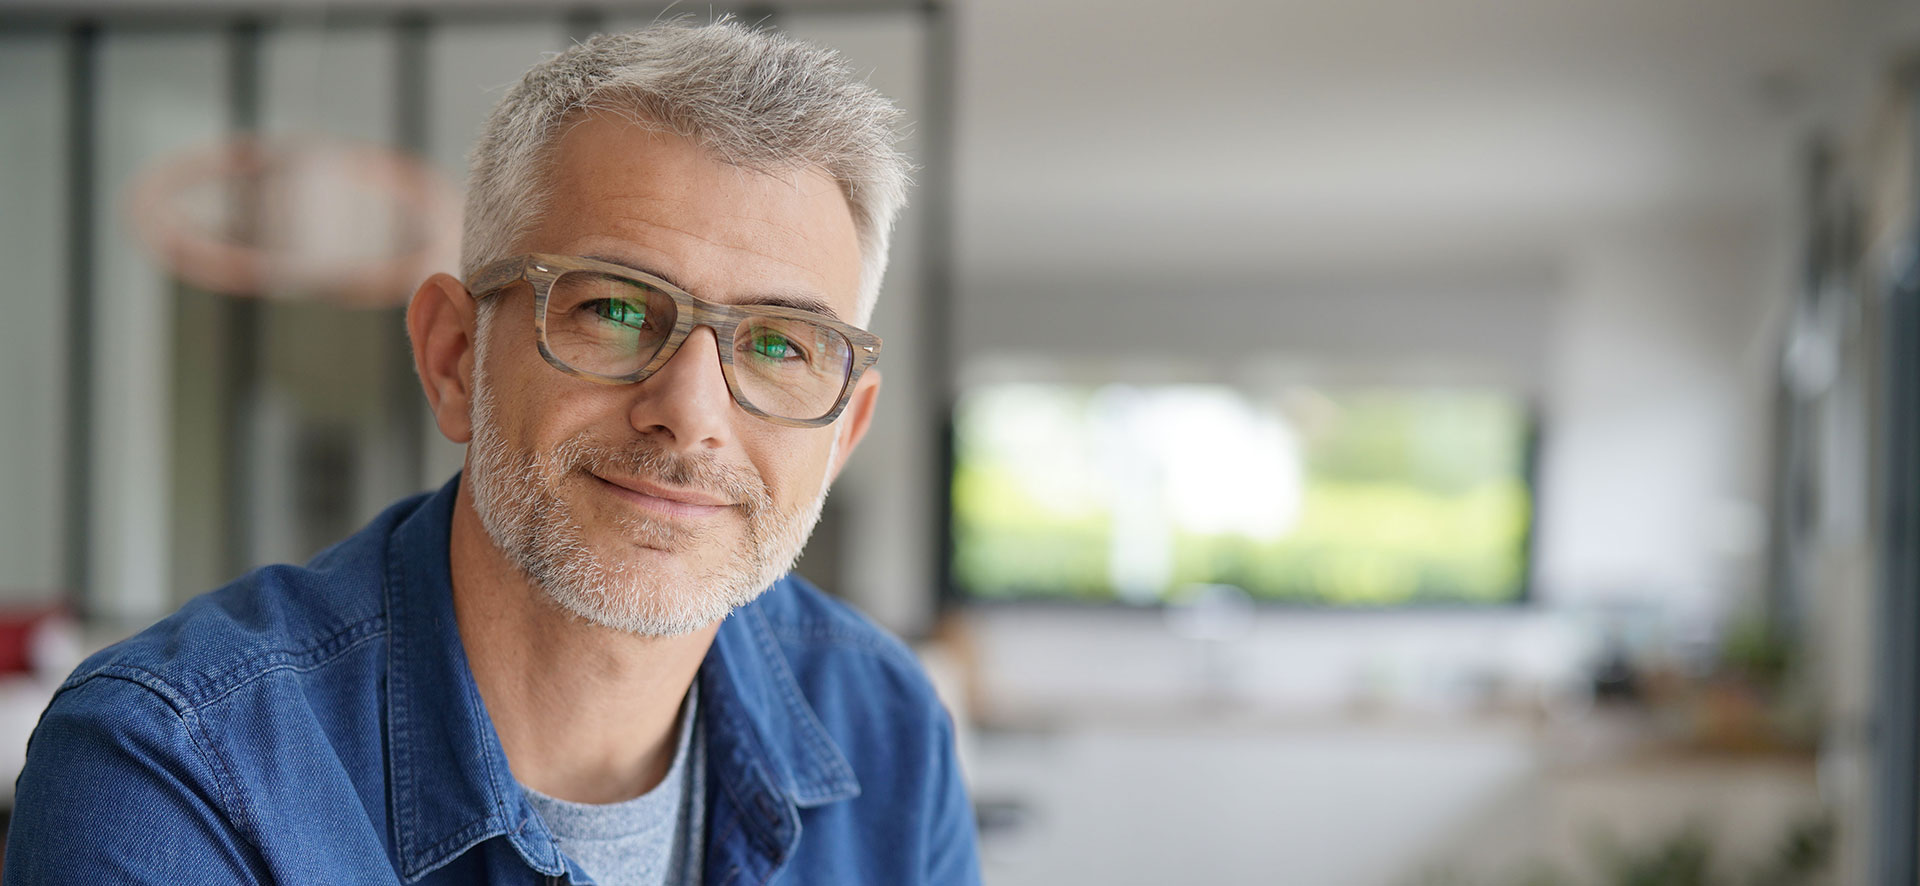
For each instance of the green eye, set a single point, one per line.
(622, 311)
(774, 347)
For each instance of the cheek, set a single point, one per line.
(795, 468)
(534, 411)
(513, 408)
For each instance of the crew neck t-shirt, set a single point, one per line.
(651, 840)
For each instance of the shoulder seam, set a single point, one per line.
(252, 668)
(313, 657)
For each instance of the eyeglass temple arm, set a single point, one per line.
(496, 276)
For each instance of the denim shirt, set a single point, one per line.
(321, 725)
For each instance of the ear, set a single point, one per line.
(440, 323)
(855, 420)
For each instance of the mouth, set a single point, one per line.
(665, 501)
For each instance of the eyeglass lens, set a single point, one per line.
(788, 368)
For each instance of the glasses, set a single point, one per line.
(616, 326)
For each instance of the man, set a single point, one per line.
(579, 662)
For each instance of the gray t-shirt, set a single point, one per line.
(655, 839)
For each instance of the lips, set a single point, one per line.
(666, 500)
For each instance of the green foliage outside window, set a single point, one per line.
(1357, 498)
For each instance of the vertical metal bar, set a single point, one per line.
(411, 91)
(1898, 732)
(243, 321)
(936, 284)
(1897, 724)
(83, 160)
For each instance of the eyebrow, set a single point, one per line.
(797, 300)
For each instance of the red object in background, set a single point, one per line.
(17, 629)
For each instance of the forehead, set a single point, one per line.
(658, 201)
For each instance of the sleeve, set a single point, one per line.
(117, 790)
(953, 851)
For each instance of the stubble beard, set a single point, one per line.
(519, 499)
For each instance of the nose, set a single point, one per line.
(685, 404)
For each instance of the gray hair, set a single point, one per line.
(754, 99)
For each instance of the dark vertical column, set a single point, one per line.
(243, 321)
(83, 156)
(937, 284)
(402, 394)
(1898, 726)
(1791, 531)
(1529, 546)
(1897, 721)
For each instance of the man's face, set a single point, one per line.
(658, 507)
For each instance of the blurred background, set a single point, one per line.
(1352, 443)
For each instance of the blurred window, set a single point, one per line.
(1138, 493)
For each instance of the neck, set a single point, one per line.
(585, 713)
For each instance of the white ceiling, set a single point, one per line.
(1247, 137)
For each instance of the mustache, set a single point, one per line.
(702, 472)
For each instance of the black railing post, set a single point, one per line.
(83, 160)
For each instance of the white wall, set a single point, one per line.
(33, 336)
(1654, 470)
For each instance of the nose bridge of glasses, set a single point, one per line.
(677, 344)
(669, 367)
(716, 317)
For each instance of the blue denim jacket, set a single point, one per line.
(320, 725)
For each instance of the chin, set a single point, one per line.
(656, 586)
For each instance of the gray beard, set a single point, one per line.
(517, 496)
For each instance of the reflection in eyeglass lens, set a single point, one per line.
(606, 325)
(613, 326)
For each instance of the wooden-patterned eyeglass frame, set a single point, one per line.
(690, 313)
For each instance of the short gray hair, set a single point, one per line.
(753, 98)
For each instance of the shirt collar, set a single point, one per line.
(755, 702)
(450, 785)
(451, 788)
